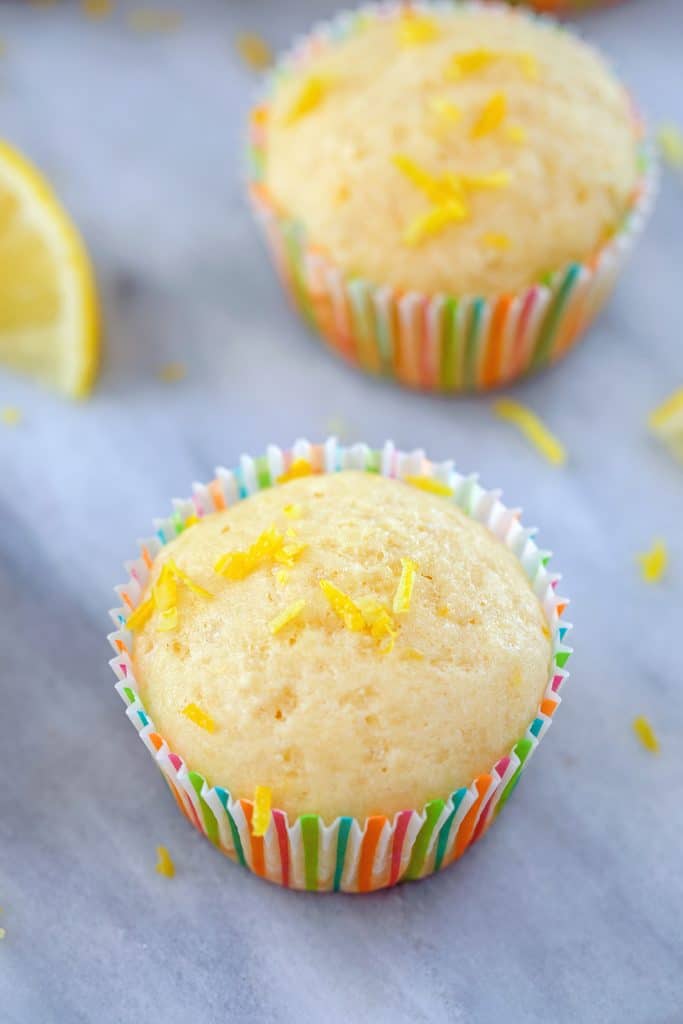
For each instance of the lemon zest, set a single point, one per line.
(182, 577)
(298, 469)
(281, 577)
(347, 610)
(514, 132)
(412, 654)
(165, 865)
(496, 240)
(532, 428)
(491, 117)
(670, 141)
(494, 179)
(432, 222)
(237, 565)
(666, 412)
(646, 734)
(445, 109)
(309, 96)
(653, 563)
(436, 189)
(416, 29)
(286, 616)
(254, 50)
(469, 62)
(528, 65)
(201, 718)
(443, 611)
(261, 815)
(141, 615)
(292, 511)
(404, 590)
(428, 483)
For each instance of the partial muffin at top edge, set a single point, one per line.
(464, 152)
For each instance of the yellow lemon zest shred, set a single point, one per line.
(469, 62)
(432, 222)
(646, 734)
(165, 865)
(496, 240)
(139, 617)
(201, 718)
(428, 483)
(412, 654)
(416, 29)
(445, 109)
(653, 563)
(404, 590)
(261, 815)
(309, 96)
(286, 616)
(669, 410)
(182, 577)
(298, 469)
(528, 65)
(281, 577)
(514, 133)
(494, 179)
(347, 610)
(237, 565)
(254, 50)
(532, 428)
(292, 511)
(491, 117)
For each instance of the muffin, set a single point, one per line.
(341, 675)
(446, 192)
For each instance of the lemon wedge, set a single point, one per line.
(49, 319)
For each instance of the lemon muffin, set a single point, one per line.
(341, 675)
(471, 152)
(333, 719)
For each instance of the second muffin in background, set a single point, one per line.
(447, 193)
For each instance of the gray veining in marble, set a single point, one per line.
(572, 908)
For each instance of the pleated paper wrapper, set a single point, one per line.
(346, 854)
(434, 342)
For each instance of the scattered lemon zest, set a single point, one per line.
(286, 616)
(491, 117)
(201, 718)
(528, 65)
(182, 577)
(149, 20)
(261, 815)
(10, 415)
(298, 469)
(469, 62)
(289, 553)
(165, 865)
(443, 611)
(428, 483)
(416, 29)
(310, 95)
(165, 590)
(388, 647)
(190, 521)
(670, 141)
(434, 188)
(292, 511)
(404, 590)
(532, 428)
(653, 563)
(168, 620)
(237, 565)
(281, 577)
(494, 179)
(96, 9)
(347, 610)
(453, 211)
(412, 654)
(496, 240)
(170, 373)
(141, 615)
(514, 132)
(254, 50)
(446, 110)
(646, 734)
(668, 410)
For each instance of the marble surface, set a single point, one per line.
(570, 910)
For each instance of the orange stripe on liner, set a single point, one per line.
(373, 831)
(258, 853)
(216, 492)
(548, 707)
(469, 821)
(494, 350)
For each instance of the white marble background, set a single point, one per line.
(571, 909)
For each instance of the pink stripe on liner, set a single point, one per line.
(557, 683)
(283, 844)
(175, 761)
(402, 822)
(519, 348)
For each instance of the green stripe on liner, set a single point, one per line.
(417, 858)
(310, 837)
(373, 463)
(449, 342)
(561, 658)
(552, 317)
(224, 796)
(292, 234)
(472, 344)
(210, 823)
(263, 472)
(130, 694)
(522, 749)
(445, 830)
(342, 842)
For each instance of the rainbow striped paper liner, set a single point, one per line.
(440, 342)
(348, 854)
(563, 7)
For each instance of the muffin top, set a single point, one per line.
(466, 152)
(354, 643)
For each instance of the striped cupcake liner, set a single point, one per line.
(349, 854)
(563, 7)
(434, 342)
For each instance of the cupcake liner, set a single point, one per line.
(434, 342)
(563, 7)
(349, 854)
